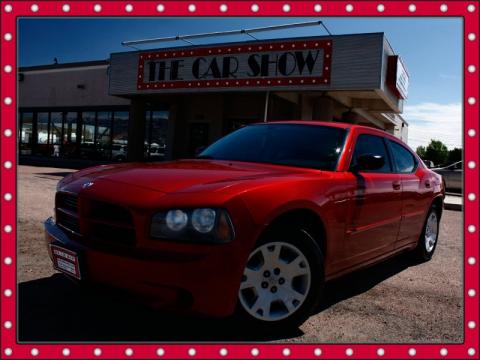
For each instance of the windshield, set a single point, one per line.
(308, 146)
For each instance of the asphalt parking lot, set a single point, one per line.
(397, 301)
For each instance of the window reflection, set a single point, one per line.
(156, 127)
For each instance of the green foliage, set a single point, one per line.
(437, 152)
(421, 152)
(454, 155)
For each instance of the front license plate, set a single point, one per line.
(66, 261)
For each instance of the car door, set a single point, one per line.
(417, 193)
(375, 204)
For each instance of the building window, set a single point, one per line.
(103, 135)
(156, 130)
(26, 133)
(120, 135)
(87, 144)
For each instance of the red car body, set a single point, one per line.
(362, 223)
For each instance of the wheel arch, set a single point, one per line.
(438, 202)
(306, 219)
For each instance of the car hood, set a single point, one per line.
(185, 175)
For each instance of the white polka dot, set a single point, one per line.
(192, 352)
(255, 8)
(66, 8)
(380, 352)
(192, 8)
(471, 132)
(7, 69)
(443, 7)
(412, 8)
(471, 292)
(317, 8)
(286, 8)
(66, 352)
(160, 352)
(412, 352)
(471, 36)
(471, 8)
(129, 8)
(8, 100)
(128, 352)
(255, 352)
(349, 7)
(8, 324)
(471, 100)
(97, 352)
(223, 8)
(317, 352)
(160, 8)
(471, 164)
(349, 352)
(471, 68)
(8, 351)
(7, 36)
(286, 352)
(34, 8)
(471, 197)
(34, 352)
(7, 132)
(8, 165)
(7, 228)
(471, 260)
(8, 8)
(223, 352)
(8, 260)
(380, 8)
(97, 8)
(471, 228)
(471, 324)
(443, 352)
(8, 292)
(7, 196)
(471, 351)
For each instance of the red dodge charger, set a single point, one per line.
(254, 225)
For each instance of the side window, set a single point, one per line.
(404, 160)
(371, 144)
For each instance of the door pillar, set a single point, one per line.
(136, 131)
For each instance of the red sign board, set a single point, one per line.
(252, 65)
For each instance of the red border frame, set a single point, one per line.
(246, 48)
(10, 348)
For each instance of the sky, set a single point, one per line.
(431, 48)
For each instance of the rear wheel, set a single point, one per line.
(282, 281)
(429, 237)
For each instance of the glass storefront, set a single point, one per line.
(95, 135)
(156, 127)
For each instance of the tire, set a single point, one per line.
(427, 243)
(283, 281)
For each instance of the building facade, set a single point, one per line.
(170, 103)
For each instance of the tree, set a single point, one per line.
(421, 152)
(437, 152)
(454, 155)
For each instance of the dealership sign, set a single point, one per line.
(289, 63)
(397, 77)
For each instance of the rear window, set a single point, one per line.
(405, 162)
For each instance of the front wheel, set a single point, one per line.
(282, 281)
(429, 237)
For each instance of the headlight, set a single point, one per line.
(196, 225)
(203, 220)
(176, 220)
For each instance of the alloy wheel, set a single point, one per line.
(276, 281)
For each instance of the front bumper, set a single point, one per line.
(196, 278)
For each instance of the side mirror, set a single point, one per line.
(370, 162)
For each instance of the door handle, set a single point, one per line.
(427, 183)
(396, 185)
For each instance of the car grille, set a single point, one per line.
(95, 222)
